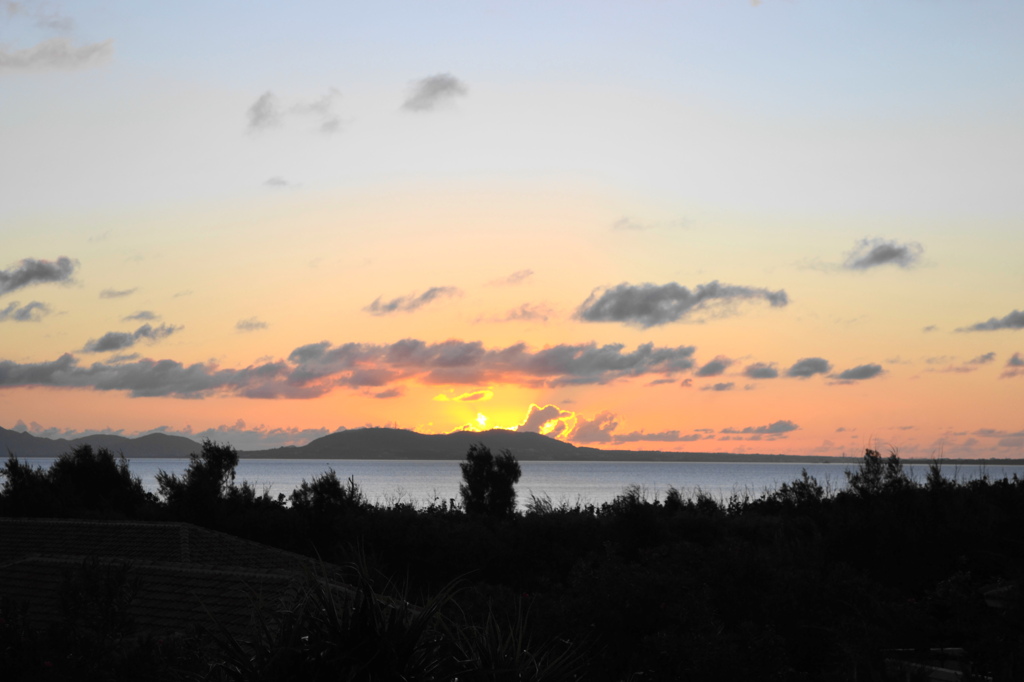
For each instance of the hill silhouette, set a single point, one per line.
(24, 444)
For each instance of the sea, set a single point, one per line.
(421, 483)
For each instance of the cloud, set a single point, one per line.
(251, 324)
(983, 359)
(30, 312)
(322, 108)
(433, 91)
(318, 368)
(629, 225)
(808, 367)
(715, 367)
(265, 112)
(141, 316)
(410, 303)
(727, 386)
(121, 340)
(527, 312)
(761, 370)
(544, 419)
(389, 393)
(517, 277)
(474, 396)
(117, 293)
(30, 271)
(1014, 367)
(650, 305)
(277, 181)
(1014, 320)
(55, 54)
(859, 373)
(779, 427)
(871, 253)
(597, 430)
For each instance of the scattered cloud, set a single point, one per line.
(983, 359)
(649, 305)
(389, 393)
(596, 430)
(117, 293)
(527, 312)
(1014, 320)
(265, 112)
(428, 93)
(727, 386)
(930, 328)
(761, 370)
(410, 303)
(1014, 367)
(121, 340)
(250, 324)
(714, 367)
(277, 182)
(808, 367)
(779, 427)
(30, 271)
(318, 368)
(872, 253)
(268, 111)
(517, 277)
(859, 373)
(629, 225)
(57, 53)
(30, 312)
(141, 316)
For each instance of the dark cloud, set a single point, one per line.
(781, 426)
(871, 253)
(410, 303)
(808, 367)
(141, 316)
(728, 386)
(433, 91)
(930, 328)
(761, 370)
(983, 359)
(55, 53)
(251, 324)
(1014, 367)
(30, 312)
(1014, 320)
(650, 305)
(657, 437)
(265, 112)
(121, 340)
(315, 369)
(117, 293)
(31, 271)
(859, 373)
(715, 367)
(389, 393)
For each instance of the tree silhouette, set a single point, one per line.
(488, 485)
(209, 479)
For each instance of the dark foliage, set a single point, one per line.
(488, 482)
(802, 583)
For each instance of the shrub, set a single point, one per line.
(488, 485)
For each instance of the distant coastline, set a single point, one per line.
(398, 444)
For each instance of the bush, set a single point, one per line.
(488, 485)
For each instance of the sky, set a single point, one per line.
(757, 227)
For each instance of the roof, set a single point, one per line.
(184, 575)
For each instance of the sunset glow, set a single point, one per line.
(774, 227)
